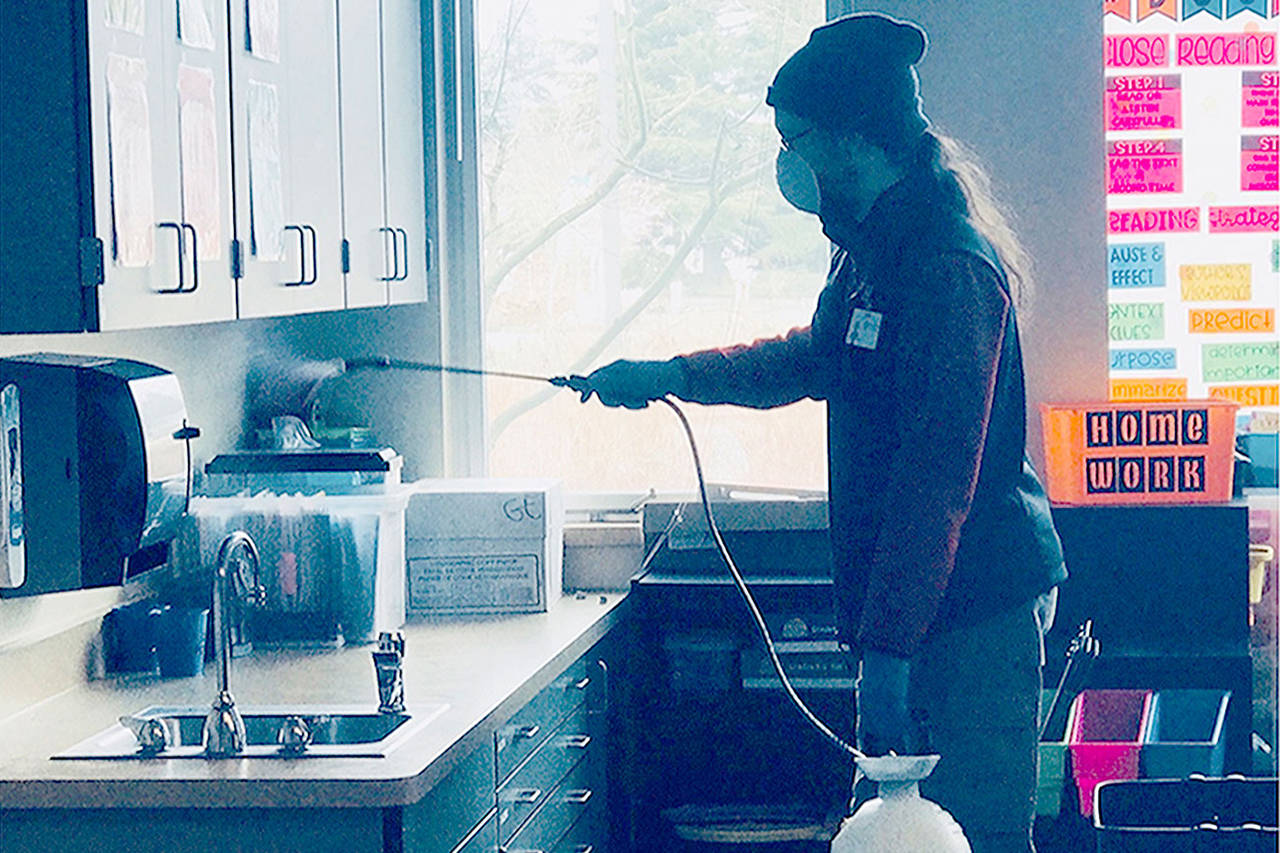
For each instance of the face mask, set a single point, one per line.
(796, 181)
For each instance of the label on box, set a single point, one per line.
(470, 581)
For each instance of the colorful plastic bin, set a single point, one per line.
(1163, 452)
(1104, 735)
(1051, 770)
(1183, 733)
(1195, 815)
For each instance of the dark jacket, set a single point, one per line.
(937, 518)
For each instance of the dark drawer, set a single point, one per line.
(531, 785)
(531, 725)
(485, 840)
(567, 803)
(589, 833)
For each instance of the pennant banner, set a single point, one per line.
(1195, 7)
(1122, 8)
(1235, 7)
(1168, 8)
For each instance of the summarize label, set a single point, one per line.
(1144, 359)
(1246, 48)
(1144, 166)
(1135, 321)
(1248, 395)
(1179, 220)
(1231, 320)
(1253, 362)
(1148, 389)
(1150, 102)
(1136, 51)
(1216, 282)
(1245, 218)
(1260, 98)
(1135, 264)
(1260, 163)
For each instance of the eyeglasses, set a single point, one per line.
(788, 143)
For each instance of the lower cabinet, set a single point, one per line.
(540, 787)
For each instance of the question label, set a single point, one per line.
(1248, 395)
(1150, 102)
(1260, 98)
(1135, 265)
(1260, 163)
(1135, 321)
(1216, 282)
(1245, 362)
(1144, 166)
(1164, 358)
(1149, 389)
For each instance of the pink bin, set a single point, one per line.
(1104, 734)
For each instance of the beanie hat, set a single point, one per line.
(857, 74)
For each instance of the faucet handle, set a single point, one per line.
(391, 641)
(154, 734)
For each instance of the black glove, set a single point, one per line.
(884, 723)
(633, 383)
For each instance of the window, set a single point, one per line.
(628, 209)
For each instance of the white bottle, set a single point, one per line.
(899, 820)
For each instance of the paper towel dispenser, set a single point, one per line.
(93, 476)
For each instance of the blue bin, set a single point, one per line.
(1183, 734)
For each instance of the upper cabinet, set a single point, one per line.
(187, 161)
(384, 210)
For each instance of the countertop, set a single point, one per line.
(482, 668)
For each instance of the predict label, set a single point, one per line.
(1253, 362)
(1174, 220)
(1216, 282)
(1135, 321)
(1260, 163)
(1231, 320)
(1144, 166)
(1165, 358)
(1148, 389)
(1135, 264)
(1150, 102)
(1260, 98)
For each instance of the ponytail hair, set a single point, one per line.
(962, 181)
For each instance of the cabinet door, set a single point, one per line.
(160, 156)
(370, 243)
(285, 118)
(402, 105)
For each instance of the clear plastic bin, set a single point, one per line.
(1183, 733)
(1051, 770)
(1104, 734)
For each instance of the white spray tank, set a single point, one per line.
(899, 820)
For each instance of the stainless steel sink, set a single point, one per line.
(349, 731)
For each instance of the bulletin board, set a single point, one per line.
(1193, 241)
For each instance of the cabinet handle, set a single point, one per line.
(395, 255)
(188, 228)
(524, 796)
(582, 683)
(314, 255)
(577, 741)
(578, 797)
(302, 256)
(583, 848)
(182, 253)
(528, 732)
(405, 273)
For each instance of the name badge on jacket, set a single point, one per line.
(864, 329)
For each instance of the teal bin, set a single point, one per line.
(1051, 770)
(1183, 733)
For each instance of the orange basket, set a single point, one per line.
(1157, 452)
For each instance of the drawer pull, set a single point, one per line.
(526, 795)
(582, 683)
(528, 732)
(583, 848)
(578, 797)
(577, 741)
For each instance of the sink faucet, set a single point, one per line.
(223, 726)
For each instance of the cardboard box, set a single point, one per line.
(483, 545)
